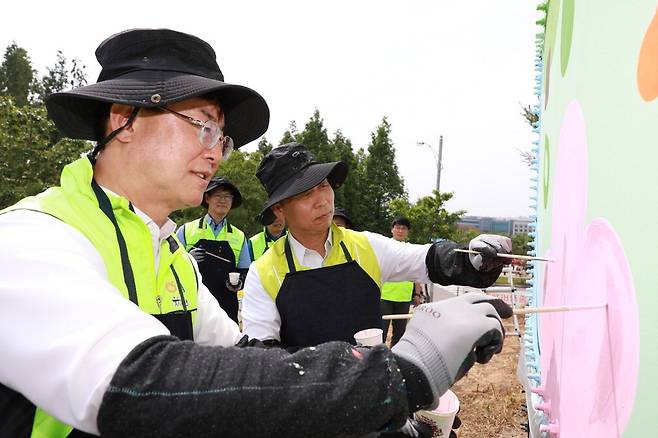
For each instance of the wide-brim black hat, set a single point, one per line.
(343, 213)
(154, 68)
(291, 169)
(217, 182)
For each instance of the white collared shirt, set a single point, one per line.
(398, 261)
(60, 309)
(309, 257)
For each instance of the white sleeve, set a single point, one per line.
(399, 261)
(260, 317)
(64, 328)
(213, 326)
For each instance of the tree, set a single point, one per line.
(520, 243)
(61, 77)
(264, 146)
(382, 180)
(430, 220)
(315, 138)
(17, 75)
(30, 161)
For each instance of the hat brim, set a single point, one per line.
(77, 112)
(237, 196)
(335, 172)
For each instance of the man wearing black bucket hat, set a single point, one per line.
(342, 219)
(218, 246)
(322, 282)
(106, 327)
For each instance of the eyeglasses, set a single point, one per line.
(210, 133)
(222, 196)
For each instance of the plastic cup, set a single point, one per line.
(369, 337)
(441, 418)
(233, 278)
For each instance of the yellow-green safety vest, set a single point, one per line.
(398, 291)
(198, 229)
(272, 266)
(259, 243)
(75, 203)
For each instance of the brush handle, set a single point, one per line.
(523, 311)
(507, 256)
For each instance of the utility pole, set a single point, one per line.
(438, 165)
(437, 158)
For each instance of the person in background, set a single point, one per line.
(261, 242)
(218, 246)
(106, 327)
(396, 296)
(342, 219)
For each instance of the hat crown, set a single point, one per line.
(282, 164)
(156, 49)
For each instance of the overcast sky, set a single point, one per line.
(458, 69)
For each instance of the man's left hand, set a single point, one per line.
(488, 246)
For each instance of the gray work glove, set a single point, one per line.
(444, 339)
(488, 245)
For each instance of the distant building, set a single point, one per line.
(485, 224)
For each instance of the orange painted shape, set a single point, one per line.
(647, 66)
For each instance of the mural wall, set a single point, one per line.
(593, 372)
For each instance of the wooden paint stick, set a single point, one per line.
(521, 311)
(508, 256)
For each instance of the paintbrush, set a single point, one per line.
(508, 256)
(520, 311)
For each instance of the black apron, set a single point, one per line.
(326, 304)
(214, 272)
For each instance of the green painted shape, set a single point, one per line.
(551, 24)
(568, 8)
(546, 171)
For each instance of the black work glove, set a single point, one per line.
(488, 245)
(198, 254)
(239, 285)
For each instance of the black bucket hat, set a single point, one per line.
(217, 182)
(291, 169)
(343, 213)
(151, 68)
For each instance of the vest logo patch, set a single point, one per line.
(170, 286)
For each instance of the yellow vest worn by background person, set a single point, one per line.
(198, 229)
(398, 291)
(75, 203)
(259, 243)
(272, 266)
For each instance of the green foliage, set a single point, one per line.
(382, 182)
(520, 244)
(16, 75)
(31, 157)
(264, 146)
(60, 77)
(429, 218)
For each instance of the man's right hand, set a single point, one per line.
(444, 339)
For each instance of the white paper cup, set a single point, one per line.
(233, 278)
(369, 337)
(441, 418)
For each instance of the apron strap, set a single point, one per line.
(348, 257)
(106, 207)
(291, 260)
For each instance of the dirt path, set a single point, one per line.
(491, 397)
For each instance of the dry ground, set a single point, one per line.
(491, 397)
